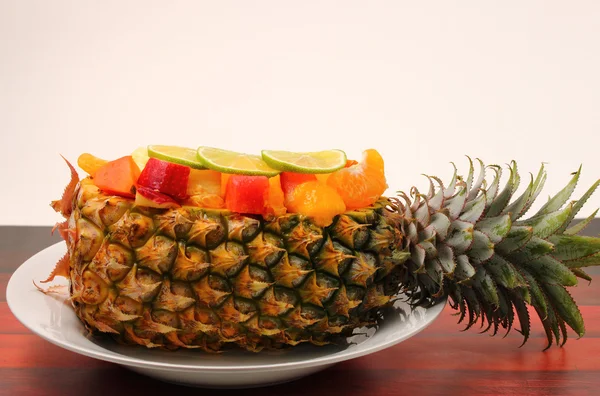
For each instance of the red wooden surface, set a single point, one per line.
(439, 361)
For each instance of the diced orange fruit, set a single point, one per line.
(224, 183)
(316, 200)
(275, 198)
(290, 180)
(90, 163)
(322, 177)
(360, 185)
(118, 177)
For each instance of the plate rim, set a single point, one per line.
(114, 357)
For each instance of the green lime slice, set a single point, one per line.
(316, 162)
(179, 155)
(231, 162)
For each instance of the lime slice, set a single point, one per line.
(316, 162)
(179, 155)
(231, 162)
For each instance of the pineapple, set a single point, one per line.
(189, 277)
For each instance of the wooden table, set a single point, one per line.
(439, 361)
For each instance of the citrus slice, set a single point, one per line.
(315, 162)
(237, 163)
(178, 155)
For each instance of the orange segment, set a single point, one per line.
(362, 184)
(316, 200)
(372, 159)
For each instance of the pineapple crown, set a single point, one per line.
(468, 241)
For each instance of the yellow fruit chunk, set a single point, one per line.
(204, 189)
(316, 200)
(204, 182)
(90, 163)
(140, 157)
(210, 201)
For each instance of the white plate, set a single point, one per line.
(50, 317)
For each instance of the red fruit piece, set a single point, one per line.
(247, 194)
(165, 177)
(118, 177)
(145, 196)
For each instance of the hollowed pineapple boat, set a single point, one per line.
(208, 248)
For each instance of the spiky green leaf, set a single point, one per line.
(538, 300)
(474, 191)
(502, 271)
(547, 224)
(550, 323)
(565, 306)
(524, 319)
(446, 259)
(571, 247)
(450, 190)
(474, 209)
(579, 204)
(483, 283)
(581, 274)
(587, 261)
(577, 228)
(516, 207)
(464, 270)
(435, 272)
(455, 204)
(499, 203)
(422, 214)
(492, 190)
(496, 228)
(441, 224)
(538, 186)
(548, 270)
(469, 179)
(482, 248)
(557, 201)
(517, 237)
(460, 236)
(536, 247)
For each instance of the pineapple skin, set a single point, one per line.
(204, 278)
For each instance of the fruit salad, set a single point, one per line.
(320, 185)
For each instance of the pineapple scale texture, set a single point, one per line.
(199, 278)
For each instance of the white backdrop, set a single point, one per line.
(423, 82)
